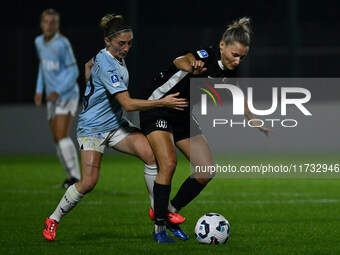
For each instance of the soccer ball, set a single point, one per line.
(212, 228)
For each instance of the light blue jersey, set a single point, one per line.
(58, 71)
(101, 111)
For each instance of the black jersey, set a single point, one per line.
(173, 80)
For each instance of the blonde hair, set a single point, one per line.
(50, 11)
(113, 25)
(238, 31)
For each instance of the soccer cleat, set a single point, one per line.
(174, 218)
(177, 231)
(68, 182)
(50, 229)
(162, 237)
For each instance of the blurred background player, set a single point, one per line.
(167, 128)
(101, 123)
(58, 73)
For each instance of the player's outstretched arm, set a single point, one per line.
(255, 122)
(190, 64)
(130, 104)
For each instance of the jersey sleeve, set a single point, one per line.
(70, 71)
(204, 54)
(36, 43)
(69, 80)
(40, 82)
(67, 53)
(112, 81)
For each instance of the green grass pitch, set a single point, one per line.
(267, 216)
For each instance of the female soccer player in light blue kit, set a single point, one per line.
(101, 123)
(58, 73)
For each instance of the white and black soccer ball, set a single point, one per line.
(212, 228)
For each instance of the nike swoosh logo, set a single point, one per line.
(62, 210)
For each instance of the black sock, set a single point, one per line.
(161, 199)
(187, 192)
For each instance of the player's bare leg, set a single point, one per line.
(90, 173)
(196, 149)
(137, 145)
(61, 126)
(90, 169)
(162, 144)
(66, 149)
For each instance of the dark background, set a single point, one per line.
(291, 38)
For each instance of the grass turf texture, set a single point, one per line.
(267, 216)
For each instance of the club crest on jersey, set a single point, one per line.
(202, 53)
(115, 80)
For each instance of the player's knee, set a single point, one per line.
(204, 178)
(168, 165)
(148, 156)
(204, 181)
(86, 185)
(166, 169)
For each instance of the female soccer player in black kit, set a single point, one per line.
(167, 128)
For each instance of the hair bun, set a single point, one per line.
(238, 31)
(244, 23)
(107, 18)
(241, 23)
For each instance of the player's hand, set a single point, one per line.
(198, 67)
(172, 101)
(38, 99)
(52, 97)
(266, 130)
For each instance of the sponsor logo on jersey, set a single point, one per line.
(161, 123)
(202, 53)
(115, 80)
(50, 65)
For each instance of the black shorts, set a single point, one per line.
(181, 127)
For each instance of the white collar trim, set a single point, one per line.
(221, 65)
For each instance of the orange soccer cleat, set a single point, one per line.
(50, 229)
(174, 218)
